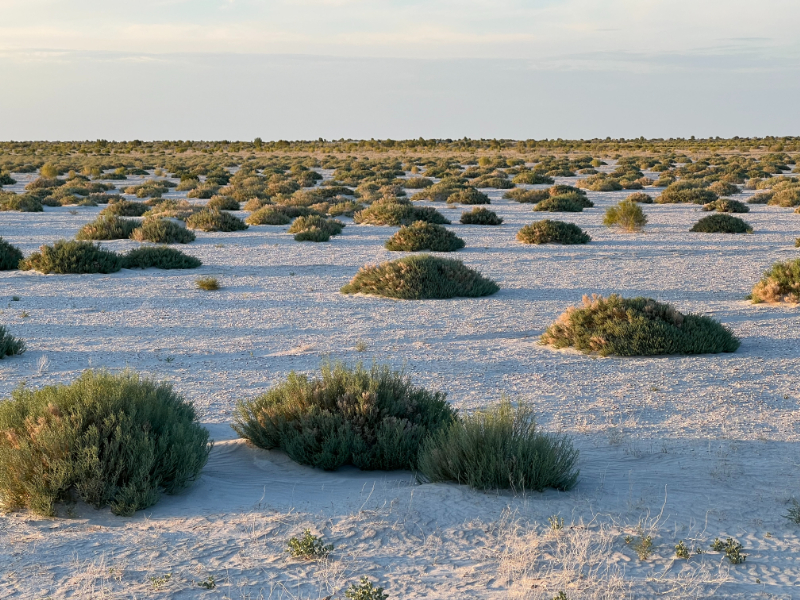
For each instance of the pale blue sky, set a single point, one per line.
(236, 69)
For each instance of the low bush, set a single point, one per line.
(159, 257)
(532, 177)
(268, 215)
(398, 212)
(162, 231)
(215, 220)
(762, 198)
(315, 228)
(424, 236)
(345, 209)
(222, 203)
(420, 277)
(21, 203)
(552, 232)
(72, 257)
(626, 215)
(107, 227)
(526, 196)
(723, 188)
(640, 198)
(417, 183)
(125, 208)
(253, 204)
(563, 203)
(637, 327)
(365, 590)
(468, 195)
(9, 346)
(108, 440)
(686, 192)
(781, 283)
(480, 216)
(726, 205)
(209, 284)
(500, 448)
(10, 256)
(600, 182)
(786, 195)
(370, 418)
(721, 223)
(308, 547)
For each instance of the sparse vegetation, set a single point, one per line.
(269, 215)
(781, 283)
(480, 216)
(72, 257)
(626, 215)
(424, 236)
(396, 212)
(222, 203)
(159, 257)
(10, 256)
(526, 196)
(721, 223)
(552, 232)
(468, 195)
(308, 547)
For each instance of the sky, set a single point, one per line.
(305, 69)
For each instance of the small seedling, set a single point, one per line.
(641, 544)
(160, 582)
(361, 346)
(556, 523)
(24, 315)
(731, 548)
(562, 595)
(682, 550)
(208, 283)
(308, 547)
(169, 359)
(208, 583)
(364, 590)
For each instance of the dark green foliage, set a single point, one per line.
(637, 327)
(72, 257)
(10, 256)
(125, 208)
(269, 215)
(424, 236)
(552, 232)
(500, 448)
(117, 440)
(420, 277)
(308, 547)
(370, 418)
(726, 205)
(626, 215)
(107, 227)
(160, 257)
(480, 216)
(222, 203)
(563, 203)
(215, 220)
(721, 223)
(429, 215)
(6, 179)
(762, 198)
(731, 548)
(468, 195)
(162, 231)
(640, 197)
(21, 203)
(315, 228)
(527, 196)
(9, 346)
(781, 283)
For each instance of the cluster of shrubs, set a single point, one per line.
(552, 232)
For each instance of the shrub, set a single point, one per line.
(209, 284)
(500, 448)
(117, 440)
(159, 257)
(253, 204)
(72, 257)
(726, 205)
(786, 195)
(552, 232)
(108, 227)
(9, 346)
(49, 170)
(640, 197)
(345, 209)
(468, 195)
(526, 196)
(398, 212)
(417, 183)
(215, 220)
(420, 277)
(723, 188)
(315, 228)
(365, 590)
(429, 215)
(372, 419)
(731, 548)
(626, 215)
(721, 223)
(424, 236)
(162, 231)
(637, 327)
(678, 192)
(600, 183)
(532, 177)
(125, 208)
(480, 216)
(222, 203)
(762, 198)
(10, 256)
(21, 203)
(308, 547)
(781, 283)
(268, 215)
(563, 203)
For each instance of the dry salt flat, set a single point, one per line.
(679, 448)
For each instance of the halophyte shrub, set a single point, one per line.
(626, 215)
(552, 232)
(480, 216)
(72, 257)
(781, 283)
(10, 256)
(424, 236)
(162, 231)
(159, 257)
(721, 223)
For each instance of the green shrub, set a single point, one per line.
(125, 208)
(640, 197)
(726, 205)
(72, 257)
(563, 203)
(424, 236)
(500, 448)
(253, 204)
(721, 223)
(526, 196)
(117, 440)
(107, 227)
(215, 220)
(315, 228)
(532, 177)
(365, 590)
(637, 327)
(417, 183)
(480, 216)
(626, 215)
(159, 257)
(723, 188)
(731, 548)
(21, 203)
(372, 419)
(162, 231)
(781, 283)
(552, 232)
(9, 346)
(499, 183)
(268, 215)
(686, 192)
(10, 256)
(396, 212)
(468, 195)
(209, 284)
(420, 277)
(785, 195)
(762, 198)
(308, 547)
(600, 182)
(222, 203)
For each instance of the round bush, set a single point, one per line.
(721, 223)
(468, 195)
(424, 236)
(269, 215)
(726, 205)
(636, 327)
(417, 183)
(532, 177)
(222, 203)
(723, 188)
(686, 192)
(162, 231)
(480, 216)
(107, 227)
(10, 256)
(420, 277)
(125, 208)
(526, 196)
(563, 203)
(159, 257)
(9, 345)
(372, 419)
(21, 203)
(398, 212)
(72, 257)
(315, 228)
(780, 284)
(552, 232)
(626, 215)
(215, 220)
(110, 440)
(640, 197)
(500, 448)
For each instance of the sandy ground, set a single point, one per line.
(686, 448)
